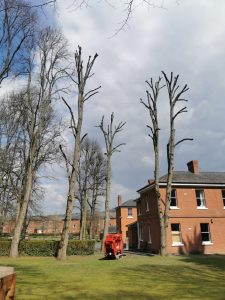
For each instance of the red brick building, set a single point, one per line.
(53, 224)
(126, 214)
(197, 213)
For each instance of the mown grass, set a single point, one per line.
(133, 277)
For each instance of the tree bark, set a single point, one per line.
(14, 250)
(92, 214)
(83, 229)
(107, 200)
(62, 248)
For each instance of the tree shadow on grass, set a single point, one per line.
(173, 282)
(213, 261)
(194, 277)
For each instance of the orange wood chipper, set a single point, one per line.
(113, 245)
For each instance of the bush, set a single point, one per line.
(48, 248)
(38, 248)
(76, 247)
(4, 247)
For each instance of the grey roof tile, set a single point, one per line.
(201, 177)
(129, 203)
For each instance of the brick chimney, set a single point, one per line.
(150, 181)
(119, 200)
(193, 166)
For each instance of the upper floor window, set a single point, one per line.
(205, 233)
(139, 208)
(129, 212)
(173, 198)
(223, 195)
(176, 234)
(147, 205)
(200, 197)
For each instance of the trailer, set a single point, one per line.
(113, 245)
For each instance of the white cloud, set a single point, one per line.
(187, 39)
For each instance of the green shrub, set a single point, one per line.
(38, 248)
(4, 247)
(76, 247)
(48, 248)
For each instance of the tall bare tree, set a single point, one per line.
(83, 181)
(97, 185)
(17, 20)
(38, 116)
(91, 182)
(109, 133)
(175, 95)
(80, 77)
(13, 151)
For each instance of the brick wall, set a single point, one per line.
(189, 217)
(123, 220)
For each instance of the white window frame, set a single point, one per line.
(209, 242)
(174, 206)
(141, 232)
(223, 196)
(147, 205)
(129, 216)
(139, 208)
(149, 235)
(201, 198)
(180, 243)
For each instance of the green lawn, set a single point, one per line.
(133, 277)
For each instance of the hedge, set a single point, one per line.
(48, 248)
(4, 247)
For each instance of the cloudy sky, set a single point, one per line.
(186, 37)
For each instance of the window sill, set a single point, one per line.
(202, 207)
(177, 244)
(174, 207)
(130, 217)
(207, 243)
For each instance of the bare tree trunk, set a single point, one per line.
(152, 97)
(81, 80)
(92, 214)
(159, 201)
(62, 248)
(25, 225)
(109, 135)
(83, 230)
(107, 200)
(14, 251)
(174, 94)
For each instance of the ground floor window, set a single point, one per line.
(176, 234)
(205, 233)
(140, 232)
(149, 235)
